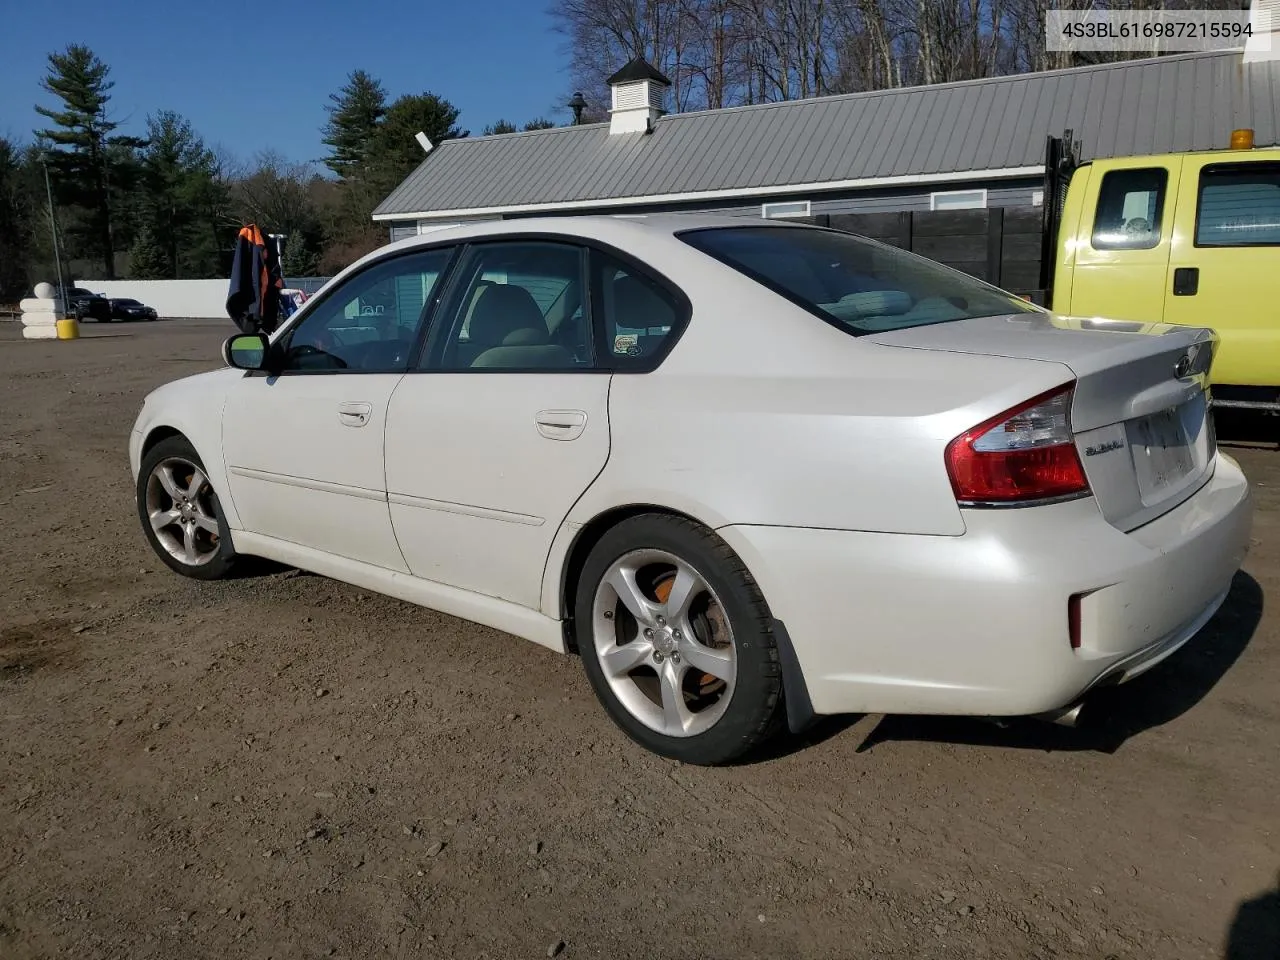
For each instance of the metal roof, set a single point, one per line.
(992, 127)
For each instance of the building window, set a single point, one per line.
(790, 208)
(1130, 208)
(958, 200)
(1239, 206)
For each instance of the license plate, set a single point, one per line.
(1163, 454)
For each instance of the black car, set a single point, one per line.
(86, 305)
(126, 308)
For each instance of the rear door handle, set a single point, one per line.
(354, 414)
(561, 424)
(1186, 281)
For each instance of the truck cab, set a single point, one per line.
(1187, 238)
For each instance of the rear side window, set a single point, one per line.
(855, 284)
(639, 315)
(1130, 208)
(1239, 206)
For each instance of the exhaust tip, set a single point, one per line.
(1066, 717)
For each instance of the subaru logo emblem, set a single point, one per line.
(1182, 367)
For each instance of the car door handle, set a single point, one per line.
(561, 424)
(354, 414)
(1186, 281)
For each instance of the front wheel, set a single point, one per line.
(180, 514)
(676, 640)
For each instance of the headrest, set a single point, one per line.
(636, 306)
(500, 310)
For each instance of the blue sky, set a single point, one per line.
(254, 76)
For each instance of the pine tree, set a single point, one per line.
(395, 150)
(147, 259)
(357, 110)
(17, 222)
(502, 126)
(83, 152)
(178, 172)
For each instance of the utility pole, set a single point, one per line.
(53, 227)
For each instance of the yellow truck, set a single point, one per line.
(1190, 238)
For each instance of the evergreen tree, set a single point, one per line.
(502, 126)
(354, 115)
(147, 259)
(17, 222)
(178, 172)
(539, 123)
(90, 163)
(395, 150)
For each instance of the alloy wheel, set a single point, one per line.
(179, 505)
(664, 643)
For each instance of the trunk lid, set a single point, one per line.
(1140, 412)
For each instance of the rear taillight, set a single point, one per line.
(1023, 455)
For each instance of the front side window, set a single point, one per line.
(520, 305)
(856, 284)
(371, 322)
(1239, 206)
(1130, 205)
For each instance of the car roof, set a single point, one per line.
(616, 228)
(600, 226)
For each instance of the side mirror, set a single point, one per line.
(246, 351)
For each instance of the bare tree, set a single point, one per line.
(723, 53)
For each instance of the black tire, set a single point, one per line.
(224, 559)
(754, 713)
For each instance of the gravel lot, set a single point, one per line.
(284, 766)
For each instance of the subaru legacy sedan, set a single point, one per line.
(750, 472)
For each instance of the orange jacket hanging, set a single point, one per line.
(253, 298)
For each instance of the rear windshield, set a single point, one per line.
(856, 284)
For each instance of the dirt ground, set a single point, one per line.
(284, 766)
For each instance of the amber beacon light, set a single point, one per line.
(1242, 139)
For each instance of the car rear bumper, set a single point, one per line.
(978, 624)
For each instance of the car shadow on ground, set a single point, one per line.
(249, 567)
(1255, 930)
(1114, 714)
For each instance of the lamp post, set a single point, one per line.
(279, 239)
(577, 104)
(53, 227)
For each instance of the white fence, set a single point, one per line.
(197, 299)
(202, 299)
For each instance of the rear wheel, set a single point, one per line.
(180, 514)
(676, 640)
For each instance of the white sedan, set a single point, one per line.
(750, 471)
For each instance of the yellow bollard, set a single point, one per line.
(69, 329)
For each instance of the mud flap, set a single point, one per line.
(795, 692)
